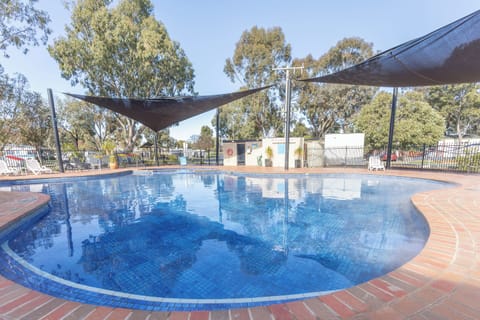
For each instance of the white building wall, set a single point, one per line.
(229, 154)
(278, 147)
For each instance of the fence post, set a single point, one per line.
(423, 155)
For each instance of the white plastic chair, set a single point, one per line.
(4, 169)
(374, 163)
(35, 167)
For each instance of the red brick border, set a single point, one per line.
(442, 282)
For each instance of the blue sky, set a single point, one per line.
(209, 29)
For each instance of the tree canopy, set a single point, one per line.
(459, 104)
(20, 23)
(122, 51)
(327, 106)
(256, 54)
(416, 122)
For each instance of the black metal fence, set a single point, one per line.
(15, 157)
(450, 157)
(463, 157)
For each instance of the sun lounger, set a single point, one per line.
(374, 163)
(35, 167)
(4, 169)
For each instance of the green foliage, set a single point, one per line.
(459, 104)
(416, 122)
(205, 141)
(269, 152)
(76, 121)
(374, 121)
(8, 106)
(122, 51)
(328, 106)
(299, 152)
(300, 130)
(24, 117)
(108, 147)
(19, 23)
(113, 159)
(469, 162)
(172, 159)
(256, 54)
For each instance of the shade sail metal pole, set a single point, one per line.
(217, 146)
(156, 149)
(55, 130)
(288, 93)
(392, 127)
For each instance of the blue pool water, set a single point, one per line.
(206, 240)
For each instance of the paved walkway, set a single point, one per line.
(442, 282)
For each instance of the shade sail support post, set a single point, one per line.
(288, 94)
(217, 144)
(55, 130)
(157, 163)
(392, 128)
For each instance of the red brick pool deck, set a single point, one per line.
(442, 282)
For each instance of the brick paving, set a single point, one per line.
(442, 282)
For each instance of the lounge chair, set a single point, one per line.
(374, 163)
(35, 167)
(4, 169)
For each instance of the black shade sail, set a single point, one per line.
(448, 55)
(160, 113)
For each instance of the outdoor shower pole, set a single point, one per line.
(55, 130)
(392, 127)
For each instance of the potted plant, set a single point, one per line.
(113, 161)
(269, 156)
(298, 155)
(109, 147)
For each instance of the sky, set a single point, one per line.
(208, 31)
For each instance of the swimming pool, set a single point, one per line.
(209, 240)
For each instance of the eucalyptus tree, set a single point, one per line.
(22, 112)
(416, 122)
(9, 106)
(20, 23)
(205, 142)
(122, 51)
(24, 116)
(76, 120)
(34, 121)
(326, 106)
(256, 55)
(459, 104)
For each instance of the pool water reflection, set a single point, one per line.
(215, 235)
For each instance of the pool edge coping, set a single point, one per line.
(387, 294)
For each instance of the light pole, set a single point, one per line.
(288, 97)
